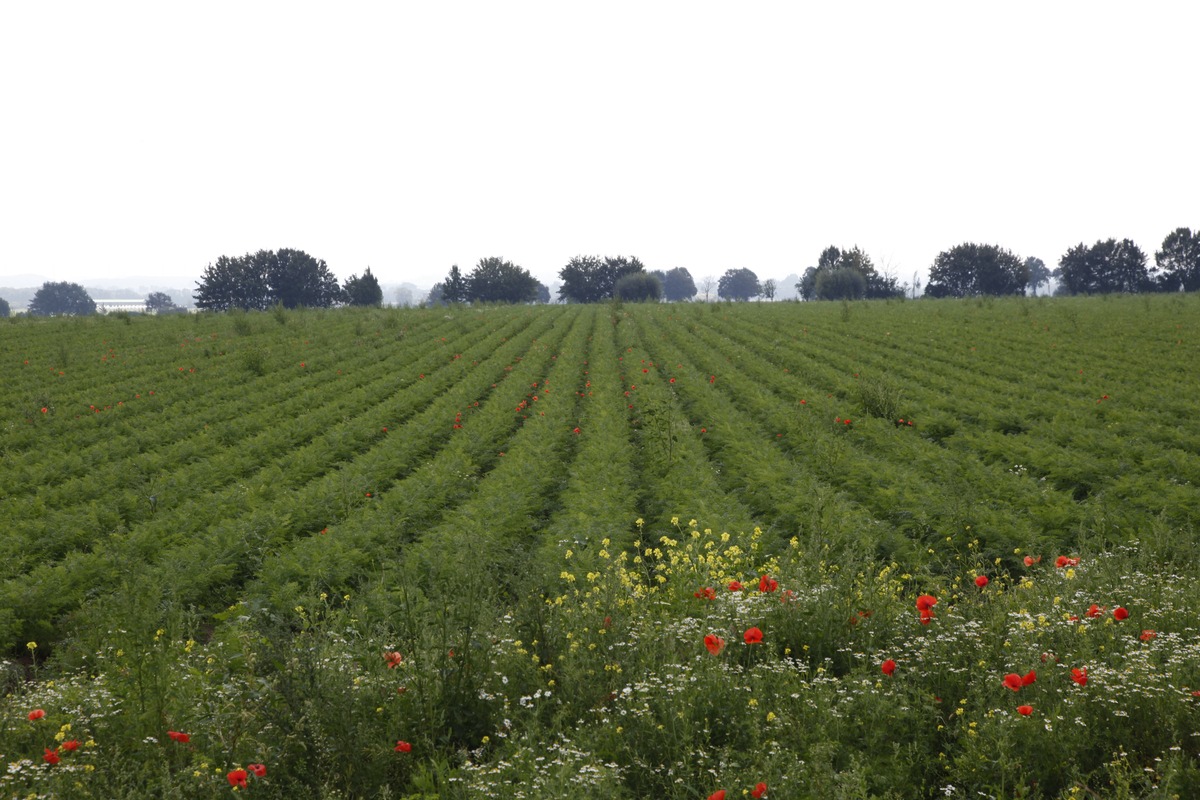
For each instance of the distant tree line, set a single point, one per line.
(493, 280)
(291, 278)
(846, 275)
(1108, 266)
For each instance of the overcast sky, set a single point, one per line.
(151, 138)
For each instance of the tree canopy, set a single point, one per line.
(1178, 263)
(1039, 273)
(590, 279)
(364, 291)
(63, 298)
(161, 303)
(255, 282)
(738, 284)
(976, 269)
(495, 280)
(677, 284)
(638, 287)
(1105, 267)
(846, 275)
(5, 309)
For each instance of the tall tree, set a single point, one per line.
(807, 287)
(297, 279)
(234, 282)
(589, 279)
(256, 281)
(706, 285)
(1178, 263)
(822, 284)
(582, 279)
(738, 284)
(638, 287)
(454, 288)
(768, 288)
(5, 309)
(1107, 266)
(678, 285)
(495, 280)
(974, 269)
(364, 291)
(67, 299)
(161, 303)
(1039, 273)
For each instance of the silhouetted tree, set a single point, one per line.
(257, 281)
(589, 279)
(1178, 263)
(1039, 273)
(974, 269)
(832, 259)
(66, 299)
(237, 282)
(495, 280)
(454, 288)
(364, 291)
(738, 284)
(678, 285)
(638, 287)
(807, 287)
(161, 303)
(768, 288)
(5, 309)
(706, 285)
(1107, 266)
(297, 279)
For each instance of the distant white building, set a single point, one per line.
(133, 304)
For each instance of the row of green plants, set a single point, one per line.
(616, 552)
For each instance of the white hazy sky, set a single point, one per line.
(149, 138)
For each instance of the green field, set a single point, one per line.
(506, 536)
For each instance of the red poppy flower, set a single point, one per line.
(717, 795)
(176, 736)
(259, 770)
(1024, 711)
(1079, 675)
(707, 593)
(36, 714)
(715, 644)
(403, 747)
(1147, 636)
(1029, 561)
(981, 581)
(1028, 678)
(1063, 561)
(1094, 611)
(925, 604)
(758, 791)
(735, 586)
(888, 667)
(753, 636)
(1012, 681)
(51, 756)
(43, 409)
(237, 778)
(393, 658)
(767, 584)
(575, 431)
(71, 744)
(1120, 613)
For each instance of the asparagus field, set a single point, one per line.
(780, 550)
